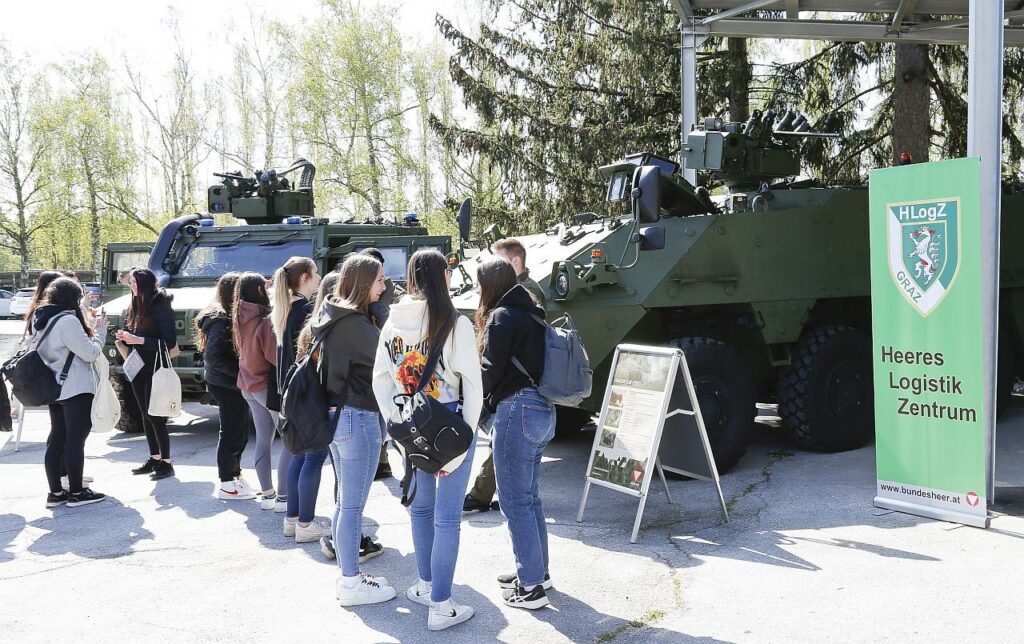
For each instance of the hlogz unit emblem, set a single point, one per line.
(924, 249)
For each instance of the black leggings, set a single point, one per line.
(70, 424)
(235, 427)
(155, 426)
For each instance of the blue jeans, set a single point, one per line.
(436, 516)
(356, 449)
(304, 483)
(523, 426)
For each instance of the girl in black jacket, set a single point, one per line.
(150, 324)
(220, 368)
(511, 343)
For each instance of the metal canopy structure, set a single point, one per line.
(943, 22)
(986, 26)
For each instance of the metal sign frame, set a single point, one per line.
(678, 368)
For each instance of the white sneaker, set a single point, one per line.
(267, 501)
(280, 503)
(420, 593)
(447, 613)
(312, 532)
(244, 485)
(229, 490)
(66, 483)
(383, 581)
(289, 527)
(367, 591)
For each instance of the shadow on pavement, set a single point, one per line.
(11, 526)
(104, 530)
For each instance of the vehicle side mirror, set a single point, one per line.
(652, 238)
(465, 219)
(646, 194)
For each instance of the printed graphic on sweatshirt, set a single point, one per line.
(409, 361)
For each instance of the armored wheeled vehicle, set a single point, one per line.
(765, 286)
(193, 251)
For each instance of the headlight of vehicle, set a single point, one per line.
(562, 284)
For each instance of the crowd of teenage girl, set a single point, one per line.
(370, 345)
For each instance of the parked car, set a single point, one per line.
(21, 301)
(5, 303)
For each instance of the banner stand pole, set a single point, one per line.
(583, 501)
(664, 481)
(639, 516)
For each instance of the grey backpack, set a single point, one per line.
(567, 377)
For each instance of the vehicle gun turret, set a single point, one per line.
(267, 197)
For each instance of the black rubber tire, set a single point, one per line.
(570, 420)
(725, 392)
(131, 416)
(826, 394)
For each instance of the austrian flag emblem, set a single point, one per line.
(924, 250)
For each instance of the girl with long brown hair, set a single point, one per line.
(149, 330)
(220, 370)
(253, 337)
(70, 345)
(510, 332)
(422, 321)
(347, 340)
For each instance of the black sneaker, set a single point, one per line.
(85, 497)
(472, 504)
(383, 471)
(519, 598)
(368, 549)
(162, 471)
(509, 581)
(327, 546)
(53, 500)
(148, 467)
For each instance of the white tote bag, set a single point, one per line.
(165, 394)
(106, 408)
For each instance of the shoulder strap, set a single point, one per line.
(432, 359)
(49, 327)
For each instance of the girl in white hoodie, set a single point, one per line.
(423, 319)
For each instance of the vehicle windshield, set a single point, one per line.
(215, 259)
(396, 259)
(123, 261)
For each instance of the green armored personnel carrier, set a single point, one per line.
(193, 251)
(765, 287)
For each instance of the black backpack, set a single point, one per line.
(430, 435)
(32, 382)
(306, 424)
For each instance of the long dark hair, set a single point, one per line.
(145, 291)
(66, 293)
(358, 274)
(252, 288)
(425, 277)
(45, 279)
(220, 306)
(496, 276)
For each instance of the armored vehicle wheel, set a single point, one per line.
(826, 394)
(725, 393)
(570, 420)
(131, 415)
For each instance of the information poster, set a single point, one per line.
(930, 420)
(630, 425)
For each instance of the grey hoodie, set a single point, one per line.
(349, 347)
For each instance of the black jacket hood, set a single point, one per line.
(43, 314)
(330, 314)
(520, 298)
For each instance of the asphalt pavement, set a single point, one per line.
(804, 558)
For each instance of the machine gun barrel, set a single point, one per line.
(811, 135)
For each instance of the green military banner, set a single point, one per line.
(931, 438)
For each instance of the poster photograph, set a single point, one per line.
(631, 420)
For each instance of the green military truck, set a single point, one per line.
(765, 286)
(118, 259)
(193, 251)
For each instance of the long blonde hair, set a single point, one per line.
(286, 282)
(358, 274)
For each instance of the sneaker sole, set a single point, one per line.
(363, 601)
(56, 504)
(283, 508)
(546, 585)
(76, 504)
(330, 554)
(450, 621)
(369, 556)
(231, 497)
(530, 605)
(307, 539)
(416, 599)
